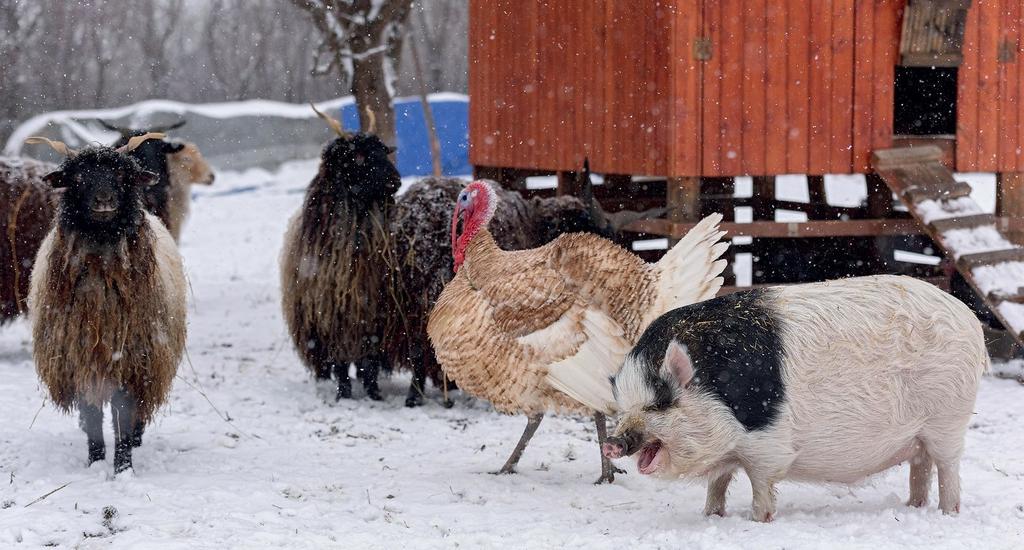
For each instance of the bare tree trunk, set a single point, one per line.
(365, 34)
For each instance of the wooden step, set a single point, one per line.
(970, 261)
(1017, 297)
(963, 222)
(937, 192)
(885, 159)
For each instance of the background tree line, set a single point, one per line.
(61, 54)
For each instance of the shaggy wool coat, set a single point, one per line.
(27, 207)
(109, 317)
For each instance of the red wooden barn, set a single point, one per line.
(697, 92)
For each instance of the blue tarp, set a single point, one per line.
(451, 115)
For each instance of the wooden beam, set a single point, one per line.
(1010, 201)
(770, 229)
(683, 199)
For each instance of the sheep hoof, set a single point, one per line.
(448, 403)
(374, 394)
(344, 392)
(414, 401)
(122, 464)
(96, 454)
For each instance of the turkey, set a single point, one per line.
(543, 329)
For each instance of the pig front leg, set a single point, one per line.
(718, 486)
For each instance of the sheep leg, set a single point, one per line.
(368, 369)
(140, 429)
(531, 427)
(90, 419)
(123, 408)
(608, 470)
(344, 384)
(417, 388)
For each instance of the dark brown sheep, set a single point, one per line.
(27, 205)
(337, 264)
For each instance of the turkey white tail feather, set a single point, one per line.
(585, 376)
(689, 272)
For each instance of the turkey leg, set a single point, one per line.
(517, 453)
(608, 470)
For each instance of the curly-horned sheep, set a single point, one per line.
(107, 300)
(27, 206)
(420, 226)
(337, 264)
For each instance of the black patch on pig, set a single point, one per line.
(735, 345)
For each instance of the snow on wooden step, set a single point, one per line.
(972, 240)
(932, 210)
(1005, 278)
(1014, 315)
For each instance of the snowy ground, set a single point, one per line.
(265, 459)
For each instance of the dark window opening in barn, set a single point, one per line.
(925, 101)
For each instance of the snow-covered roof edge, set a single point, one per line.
(251, 107)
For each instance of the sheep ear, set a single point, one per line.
(55, 179)
(147, 178)
(677, 364)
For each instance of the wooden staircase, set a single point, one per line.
(990, 262)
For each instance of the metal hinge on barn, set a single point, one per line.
(987, 258)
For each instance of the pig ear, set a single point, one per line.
(677, 364)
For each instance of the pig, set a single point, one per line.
(824, 382)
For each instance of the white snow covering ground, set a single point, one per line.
(249, 453)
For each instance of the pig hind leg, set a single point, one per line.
(921, 466)
(945, 446)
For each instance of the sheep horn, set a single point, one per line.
(58, 146)
(372, 118)
(128, 132)
(167, 127)
(134, 142)
(333, 123)
(125, 132)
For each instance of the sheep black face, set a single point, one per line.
(102, 192)
(152, 156)
(358, 166)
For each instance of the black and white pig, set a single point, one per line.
(825, 382)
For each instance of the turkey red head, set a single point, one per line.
(474, 209)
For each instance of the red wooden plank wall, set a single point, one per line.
(552, 81)
(989, 132)
(797, 86)
(792, 86)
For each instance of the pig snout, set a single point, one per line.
(615, 447)
(625, 444)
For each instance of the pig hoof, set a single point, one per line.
(504, 471)
(715, 511)
(766, 518)
(917, 502)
